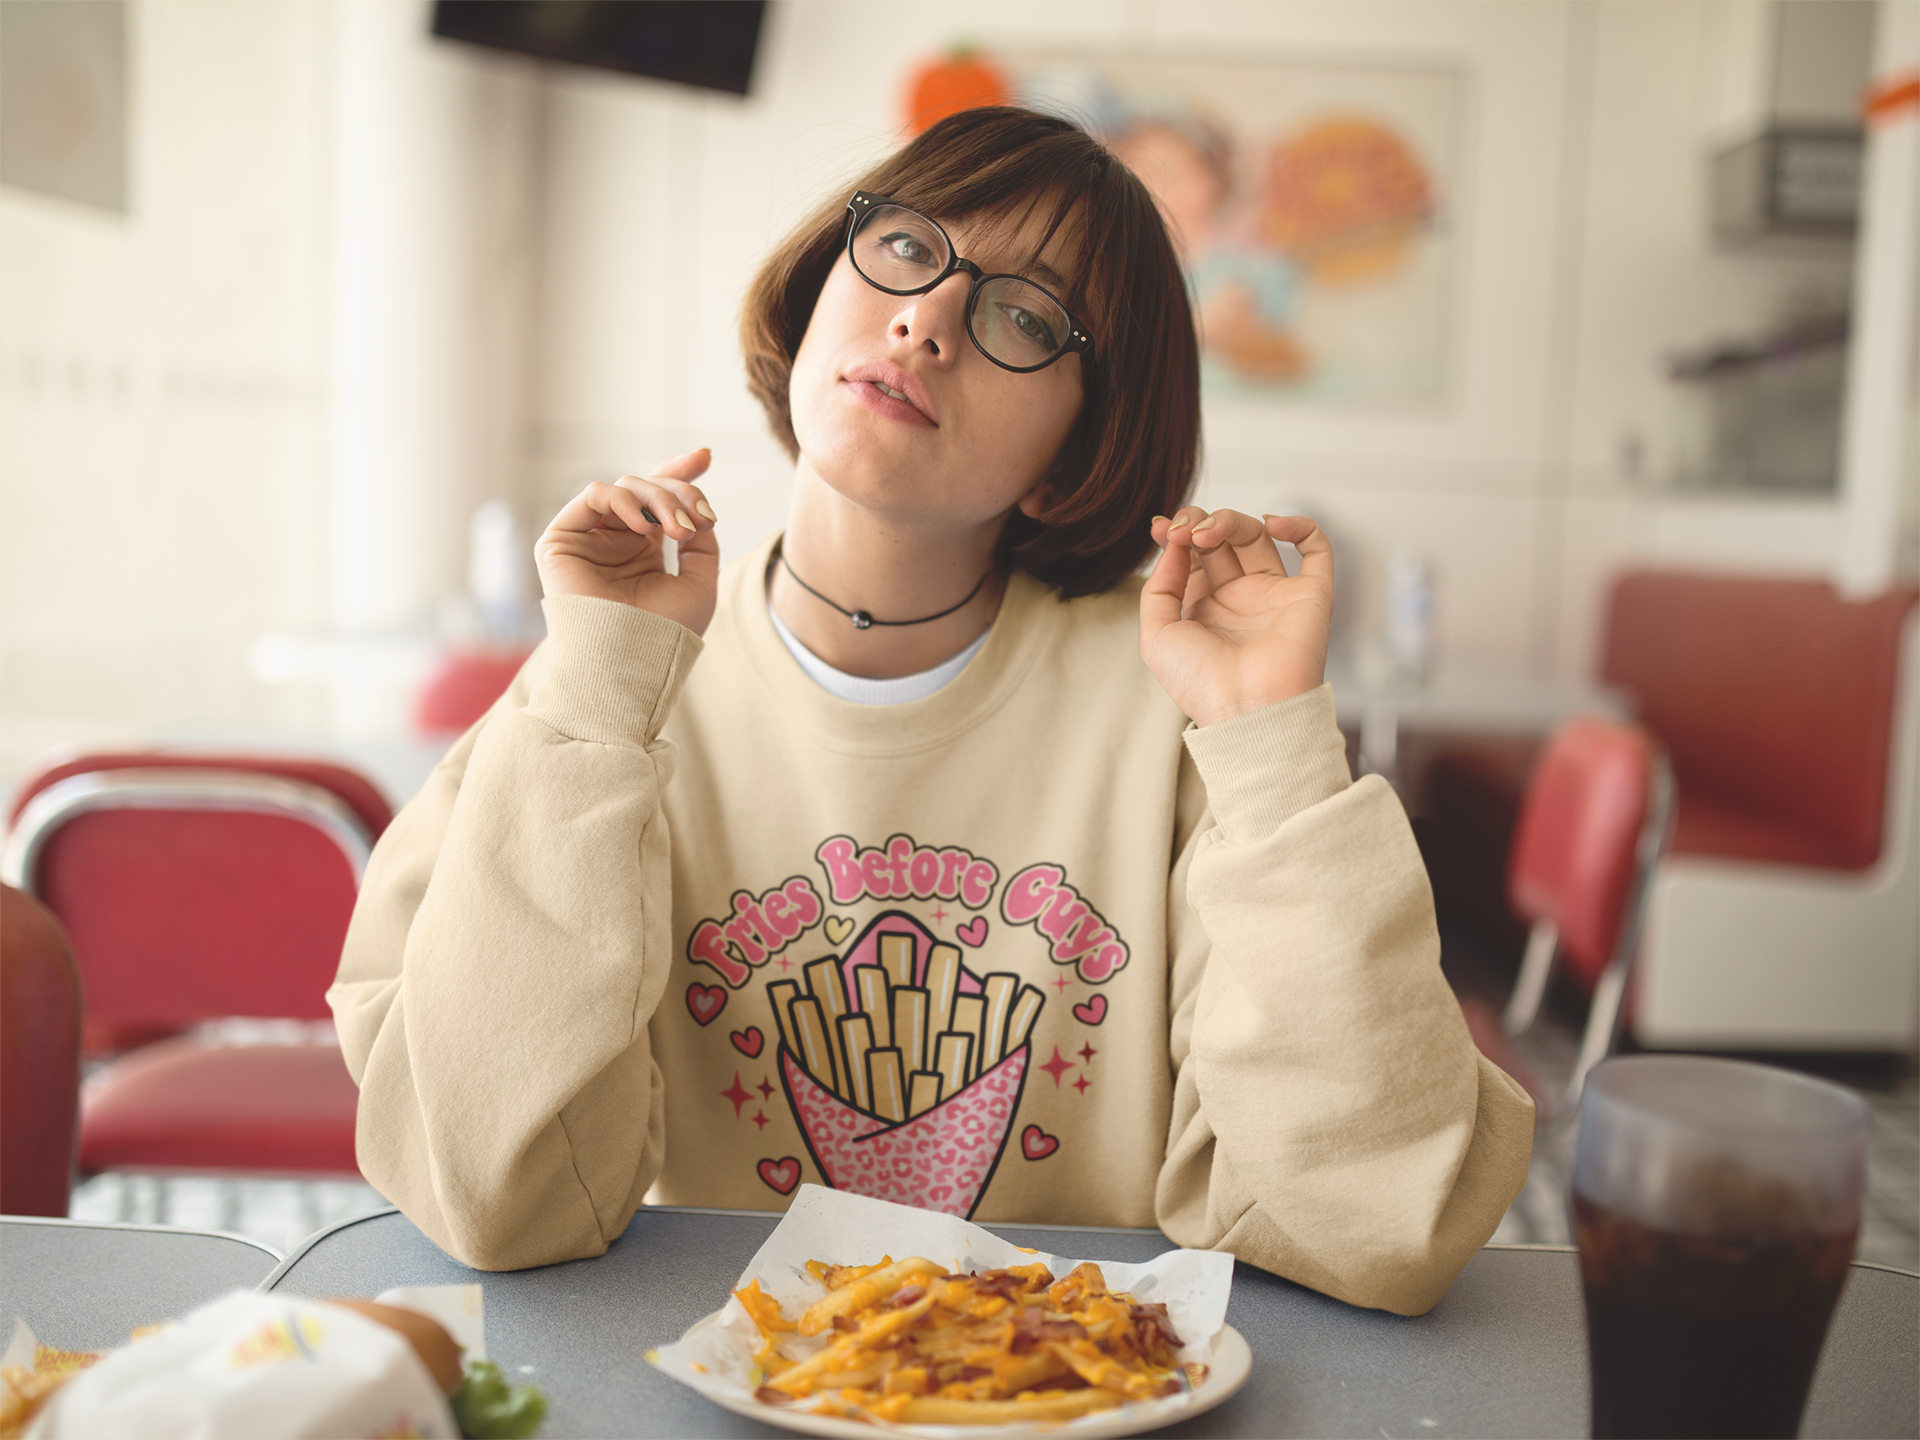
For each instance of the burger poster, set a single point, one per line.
(1310, 201)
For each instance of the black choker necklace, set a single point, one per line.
(862, 620)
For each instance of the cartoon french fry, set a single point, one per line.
(856, 1039)
(1000, 990)
(887, 1085)
(910, 1025)
(870, 984)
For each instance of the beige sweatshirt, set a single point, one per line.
(1031, 948)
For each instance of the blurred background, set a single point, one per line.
(310, 317)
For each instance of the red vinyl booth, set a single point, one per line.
(1789, 914)
(1775, 700)
(194, 888)
(39, 1058)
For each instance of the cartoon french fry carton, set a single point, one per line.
(904, 1066)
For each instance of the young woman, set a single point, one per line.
(880, 859)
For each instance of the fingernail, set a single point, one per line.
(705, 509)
(1158, 518)
(681, 516)
(652, 519)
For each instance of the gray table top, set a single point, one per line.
(85, 1285)
(1503, 1354)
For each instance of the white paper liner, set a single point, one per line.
(715, 1356)
(252, 1364)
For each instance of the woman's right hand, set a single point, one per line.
(603, 545)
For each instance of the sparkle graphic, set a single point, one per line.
(739, 1095)
(765, 1087)
(1059, 982)
(759, 1117)
(785, 964)
(1087, 1052)
(939, 913)
(1056, 1067)
(1081, 1084)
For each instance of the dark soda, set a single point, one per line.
(1705, 1334)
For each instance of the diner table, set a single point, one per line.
(85, 1284)
(1504, 1353)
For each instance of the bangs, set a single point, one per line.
(1066, 191)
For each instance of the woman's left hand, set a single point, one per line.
(1222, 625)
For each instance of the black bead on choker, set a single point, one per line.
(862, 620)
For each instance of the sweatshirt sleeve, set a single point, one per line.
(510, 943)
(1333, 1121)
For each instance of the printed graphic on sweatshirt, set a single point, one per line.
(904, 1056)
(904, 1066)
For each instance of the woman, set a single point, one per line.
(919, 882)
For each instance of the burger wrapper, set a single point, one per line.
(264, 1365)
(715, 1356)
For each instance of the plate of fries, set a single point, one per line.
(987, 1339)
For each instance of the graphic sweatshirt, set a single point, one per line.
(674, 924)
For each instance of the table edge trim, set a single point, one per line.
(1890, 1269)
(1575, 1250)
(274, 1276)
(68, 1221)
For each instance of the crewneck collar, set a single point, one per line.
(860, 689)
(1023, 629)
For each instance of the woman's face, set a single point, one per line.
(969, 440)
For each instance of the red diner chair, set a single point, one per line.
(200, 888)
(463, 687)
(1595, 822)
(40, 1009)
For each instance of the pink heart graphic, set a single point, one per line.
(749, 1041)
(1035, 1143)
(782, 1174)
(974, 932)
(705, 1001)
(1093, 1012)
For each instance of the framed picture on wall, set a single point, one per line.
(1310, 200)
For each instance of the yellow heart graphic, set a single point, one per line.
(838, 928)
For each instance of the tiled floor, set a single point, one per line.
(1890, 1232)
(1890, 1225)
(280, 1213)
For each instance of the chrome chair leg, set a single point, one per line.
(1530, 986)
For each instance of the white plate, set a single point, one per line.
(1232, 1363)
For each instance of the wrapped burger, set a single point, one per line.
(253, 1364)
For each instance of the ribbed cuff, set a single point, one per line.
(1266, 766)
(611, 672)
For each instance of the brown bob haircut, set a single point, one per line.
(1133, 451)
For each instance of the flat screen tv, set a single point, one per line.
(709, 43)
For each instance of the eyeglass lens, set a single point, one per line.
(902, 252)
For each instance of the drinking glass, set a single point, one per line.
(1715, 1204)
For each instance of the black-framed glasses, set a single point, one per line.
(1015, 323)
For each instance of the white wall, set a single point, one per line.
(162, 394)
